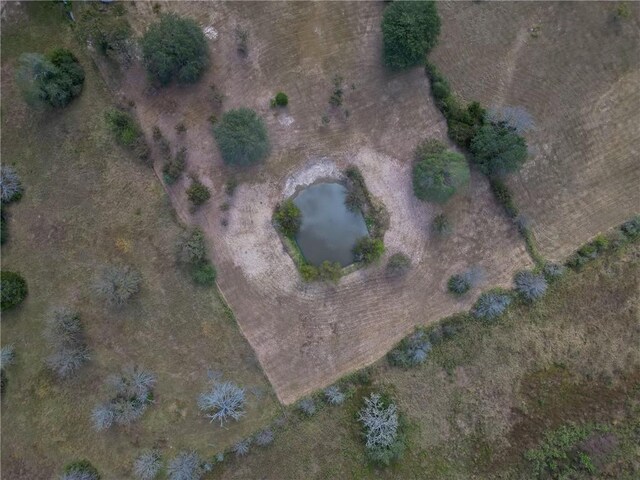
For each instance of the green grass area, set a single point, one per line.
(89, 202)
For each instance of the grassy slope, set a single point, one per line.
(490, 394)
(88, 203)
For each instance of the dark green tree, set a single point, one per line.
(242, 137)
(497, 149)
(368, 249)
(438, 172)
(175, 48)
(410, 30)
(13, 289)
(288, 217)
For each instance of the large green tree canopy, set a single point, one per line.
(175, 47)
(498, 149)
(438, 172)
(242, 137)
(410, 30)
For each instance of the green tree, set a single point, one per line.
(13, 289)
(288, 217)
(175, 48)
(368, 249)
(410, 30)
(242, 137)
(498, 149)
(53, 79)
(438, 172)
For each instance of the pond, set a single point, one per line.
(329, 229)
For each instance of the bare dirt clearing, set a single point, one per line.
(576, 70)
(307, 336)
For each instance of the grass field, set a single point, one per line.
(88, 203)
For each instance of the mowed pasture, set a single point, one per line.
(87, 203)
(575, 68)
(307, 336)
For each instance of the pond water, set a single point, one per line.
(329, 229)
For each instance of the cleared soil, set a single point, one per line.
(575, 68)
(307, 336)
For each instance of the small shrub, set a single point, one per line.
(147, 466)
(412, 351)
(498, 149)
(174, 48)
(458, 284)
(410, 30)
(174, 167)
(241, 448)
(192, 248)
(330, 272)
(308, 272)
(223, 402)
(198, 193)
(334, 395)
(530, 285)
(80, 470)
(185, 466)
(491, 305)
(181, 128)
(264, 437)
(242, 41)
(242, 137)
(553, 270)
(337, 95)
(117, 284)
(441, 225)
(368, 249)
(631, 228)
(10, 185)
(437, 176)
(288, 218)
(204, 273)
(503, 195)
(380, 422)
(13, 290)
(127, 132)
(281, 99)
(398, 265)
(307, 406)
(7, 356)
(53, 79)
(230, 186)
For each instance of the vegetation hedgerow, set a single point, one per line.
(368, 249)
(174, 48)
(412, 351)
(398, 265)
(127, 132)
(438, 172)
(242, 137)
(333, 395)
(225, 401)
(198, 193)
(307, 406)
(10, 185)
(381, 424)
(204, 273)
(288, 218)
(491, 305)
(498, 149)
(410, 30)
(530, 285)
(53, 79)
(13, 289)
(117, 284)
(631, 228)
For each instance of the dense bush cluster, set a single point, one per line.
(225, 401)
(192, 251)
(498, 149)
(530, 285)
(127, 132)
(288, 218)
(13, 289)
(65, 335)
(398, 265)
(53, 79)
(368, 249)
(438, 172)
(116, 284)
(108, 30)
(588, 252)
(410, 30)
(503, 195)
(185, 466)
(131, 394)
(147, 465)
(80, 470)
(198, 193)
(491, 305)
(242, 137)
(174, 48)
(380, 422)
(413, 350)
(631, 228)
(10, 185)
(174, 167)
